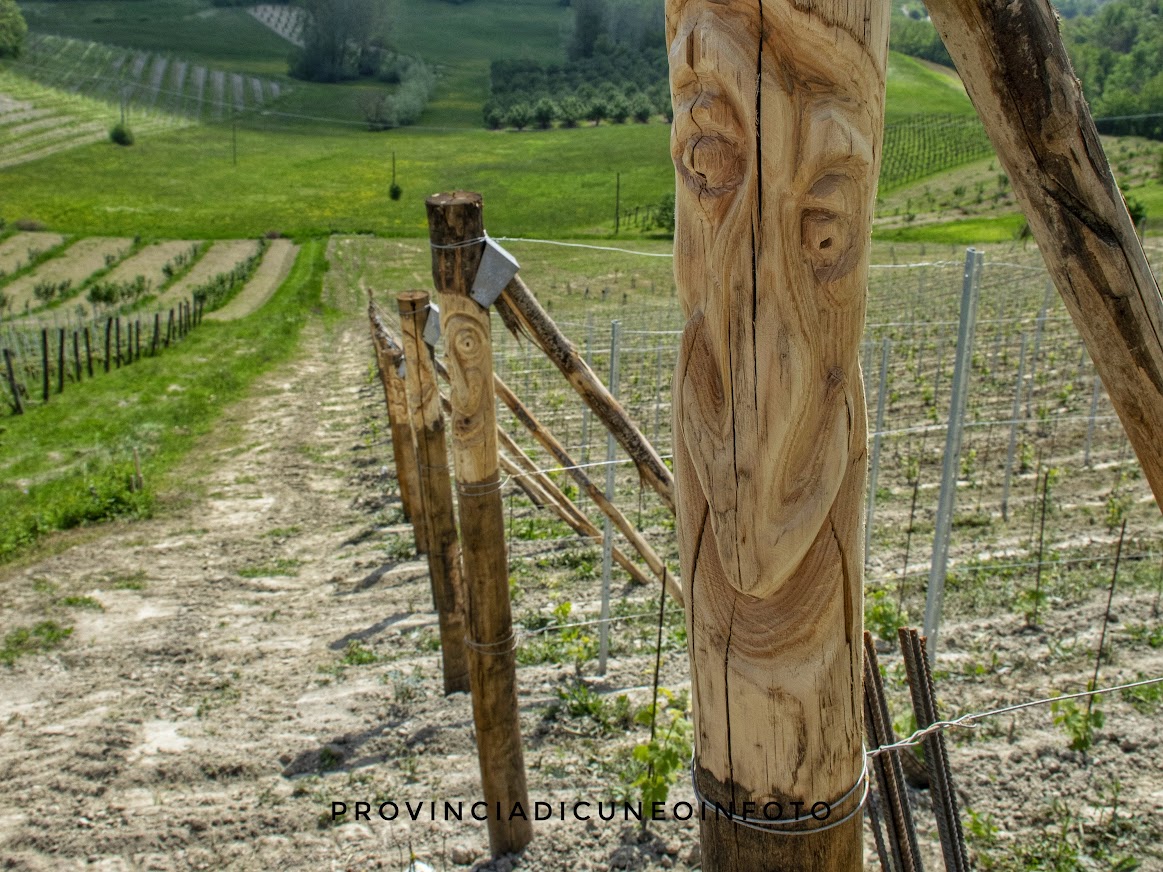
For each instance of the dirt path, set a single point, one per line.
(159, 734)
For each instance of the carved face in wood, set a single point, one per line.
(776, 181)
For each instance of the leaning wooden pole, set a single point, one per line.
(435, 490)
(523, 313)
(1018, 75)
(492, 648)
(778, 118)
(389, 362)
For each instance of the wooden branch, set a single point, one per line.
(389, 356)
(550, 443)
(563, 506)
(1018, 75)
(453, 218)
(444, 568)
(518, 307)
(778, 118)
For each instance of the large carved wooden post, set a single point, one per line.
(778, 115)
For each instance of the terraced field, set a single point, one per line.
(222, 257)
(20, 249)
(143, 80)
(37, 121)
(66, 273)
(286, 21)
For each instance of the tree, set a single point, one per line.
(544, 111)
(343, 39)
(589, 23)
(12, 29)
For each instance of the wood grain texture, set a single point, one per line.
(389, 359)
(1018, 75)
(778, 118)
(454, 219)
(444, 569)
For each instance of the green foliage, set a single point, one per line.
(1147, 699)
(927, 144)
(120, 134)
(1078, 723)
(579, 701)
(343, 40)
(1118, 56)
(917, 37)
(664, 758)
(881, 614)
(557, 645)
(13, 29)
(357, 654)
(44, 636)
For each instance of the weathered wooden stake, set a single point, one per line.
(88, 353)
(778, 116)
(157, 330)
(117, 340)
(389, 361)
(60, 360)
(521, 311)
(44, 362)
(444, 567)
(453, 219)
(17, 402)
(1018, 75)
(77, 356)
(108, 343)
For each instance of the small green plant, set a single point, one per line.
(82, 602)
(44, 636)
(329, 759)
(1146, 699)
(1079, 723)
(881, 614)
(663, 758)
(357, 654)
(130, 581)
(120, 134)
(279, 566)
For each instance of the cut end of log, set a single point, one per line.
(454, 198)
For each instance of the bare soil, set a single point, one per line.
(222, 257)
(15, 249)
(275, 267)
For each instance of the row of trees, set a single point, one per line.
(616, 82)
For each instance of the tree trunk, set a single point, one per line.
(1019, 78)
(777, 143)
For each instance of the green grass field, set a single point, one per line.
(67, 463)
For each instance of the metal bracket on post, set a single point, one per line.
(432, 326)
(496, 270)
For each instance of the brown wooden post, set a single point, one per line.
(454, 220)
(108, 343)
(60, 360)
(88, 353)
(435, 478)
(389, 360)
(117, 340)
(137, 339)
(778, 118)
(1018, 75)
(17, 402)
(44, 362)
(77, 356)
(157, 330)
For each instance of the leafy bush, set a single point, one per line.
(120, 134)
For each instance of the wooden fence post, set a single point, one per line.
(1018, 75)
(77, 356)
(454, 220)
(88, 352)
(60, 360)
(157, 330)
(778, 118)
(435, 478)
(17, 403)
(389, 359)
(108, 342)
(117, 340)
(44, 362)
